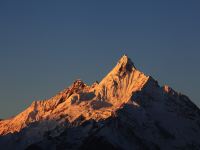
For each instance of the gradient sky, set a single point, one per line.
(46, 45)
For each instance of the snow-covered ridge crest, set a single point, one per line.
(96, 101)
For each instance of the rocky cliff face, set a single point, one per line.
(126, 110)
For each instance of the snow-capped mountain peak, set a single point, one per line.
(126, 110)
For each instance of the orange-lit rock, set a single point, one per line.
(93, 102)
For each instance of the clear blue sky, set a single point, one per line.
(46, 45)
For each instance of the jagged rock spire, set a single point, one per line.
(126, 62)
(123, 66)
